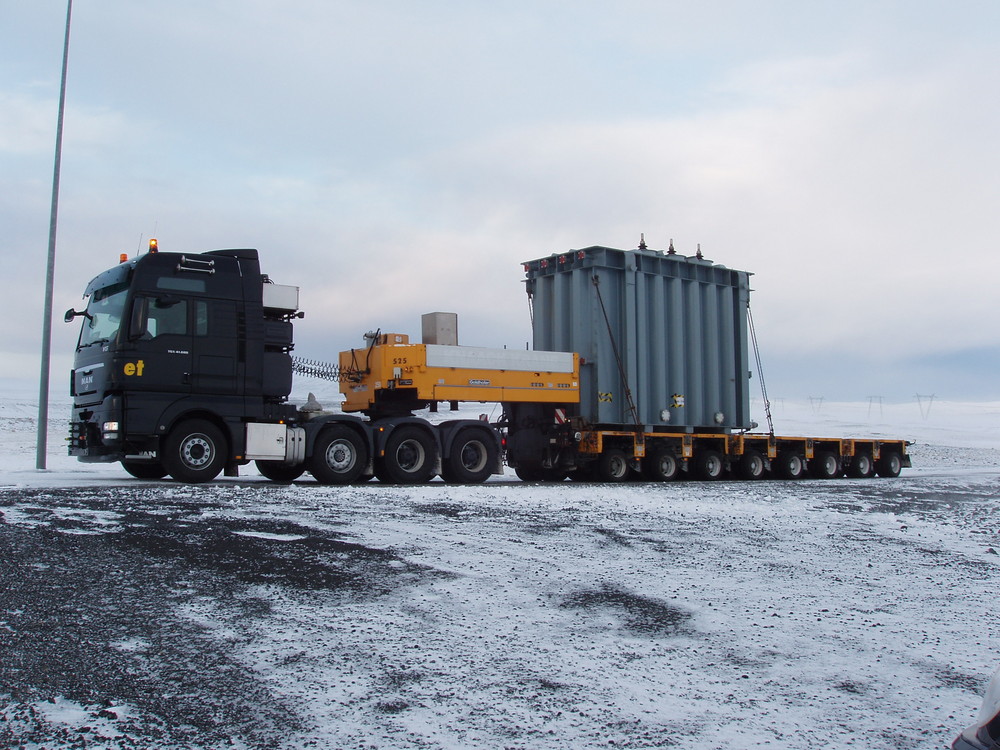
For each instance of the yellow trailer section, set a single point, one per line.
(436, 372)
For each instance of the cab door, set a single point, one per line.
(160, 342)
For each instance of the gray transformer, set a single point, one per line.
(662, 337)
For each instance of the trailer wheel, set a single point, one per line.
(194, 451)
(279, 471)
(825, 465)
(751, 465)
(472, 458)
(338, 457)
(709, 465)
(861, 466)
(790, 465)
(144, 470)
(661, 466)
(410, 457)
(612, 466)
(889, 465)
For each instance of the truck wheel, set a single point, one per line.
(751, 465)
(144, 470)
(889, 465)
(279, 471)
(825, 465)
(473, 456)
(709, 465)
(410, 457)
(529, 473)
(612, 466)
(861, 466)
(661, 466)
(790, 465)
(338, 457)
(194, 451)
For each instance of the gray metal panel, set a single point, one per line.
(515, 360)
(672, 328)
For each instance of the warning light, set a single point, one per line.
(123, 257)
(153, 247)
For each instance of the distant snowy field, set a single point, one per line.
(846, 613)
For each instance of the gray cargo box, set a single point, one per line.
(672, 331)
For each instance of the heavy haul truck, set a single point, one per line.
(640, 368)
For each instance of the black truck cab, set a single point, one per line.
(172, 339)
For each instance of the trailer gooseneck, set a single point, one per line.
(184, 367)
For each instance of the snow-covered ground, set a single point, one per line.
(848, 613)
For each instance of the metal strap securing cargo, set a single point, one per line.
(618, 358)
(760, 371)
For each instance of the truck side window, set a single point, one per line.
(166, 317)
(200, 318)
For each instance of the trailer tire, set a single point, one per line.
(861, 467)
(338, 456)
(709, 465)
(141, 470)
(790, 465)
(825, 465)
(889, 465)
(279, 471)
(194, 451)
(472, 458)
(751, 465)
(661, 466)
(410, 457)
(612, 466)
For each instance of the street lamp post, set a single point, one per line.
(43, 386)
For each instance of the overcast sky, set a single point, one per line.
(396, 158)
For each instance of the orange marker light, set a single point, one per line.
(153, 247)
(123, 257)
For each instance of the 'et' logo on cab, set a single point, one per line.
(134, 368)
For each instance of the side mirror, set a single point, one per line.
(167, 300)
(71, 314)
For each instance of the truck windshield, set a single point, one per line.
(104, 314)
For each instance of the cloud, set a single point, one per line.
(394, 160)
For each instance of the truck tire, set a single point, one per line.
(861, 467)
(889, 465)
(339, 456)
(194, 451)
(751, 465)
(709, 465)
(410, 457)
(661, 465)
(612, 466)
(825, 465)
(279, 471)
(472, 458)
(790, 465)
(141, 470)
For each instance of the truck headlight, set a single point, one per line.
(109, 430)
